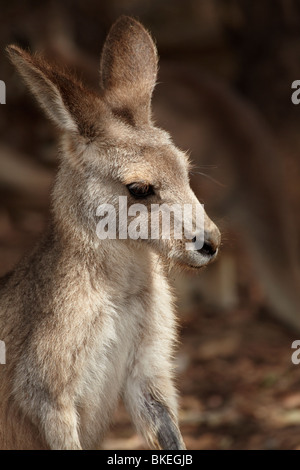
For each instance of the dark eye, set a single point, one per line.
(140, 190)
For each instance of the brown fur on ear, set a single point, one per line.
(128, 70)
(66, 101)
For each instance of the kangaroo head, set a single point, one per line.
(111, 150)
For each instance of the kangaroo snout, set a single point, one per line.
(212, 240)
(210, 246)
(206, 248)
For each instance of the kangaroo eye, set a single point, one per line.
(140, 190)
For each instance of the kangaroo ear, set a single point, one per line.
(128, 70)
(62, 96)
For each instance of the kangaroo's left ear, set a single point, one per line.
(128, 71)
(64, 99)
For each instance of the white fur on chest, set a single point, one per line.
(113, 341)
(130, 307)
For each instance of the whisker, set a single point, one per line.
(206, 166)
(209, 177)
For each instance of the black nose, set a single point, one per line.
(208, 248)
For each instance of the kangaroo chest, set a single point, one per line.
(113, 341)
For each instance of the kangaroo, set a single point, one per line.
(88, 321)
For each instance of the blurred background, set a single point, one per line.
(224, 93)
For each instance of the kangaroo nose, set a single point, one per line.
(211, 243)
(208, 249)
